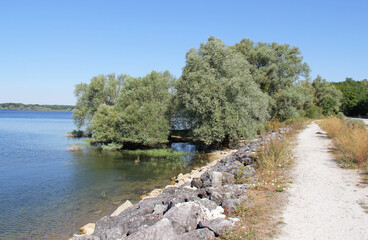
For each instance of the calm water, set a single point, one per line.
(47, 192)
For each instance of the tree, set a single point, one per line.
(327, 97)
(218, 95)
(292, 101)
(104, 124)
(273, 66)
(355, 97)
(144, 109)
(103, 89)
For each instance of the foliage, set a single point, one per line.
(144, 109)
(103, 89)
(350, 139)
(355, 97)
(290, 102)
(327, 97)
(218, 95)
(35, 107)
(104, 124)
(274, 66)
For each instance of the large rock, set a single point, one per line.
(230, 205)
(216, 179)
(161, 230)
(184, 216)
(199, 234)
(122, 208)
(227, 178)
(219, 225)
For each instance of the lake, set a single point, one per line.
(48, 192)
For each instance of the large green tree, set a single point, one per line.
(278, 69)
(274, 66)
(355, 97)
(218, 95)
(103, 89)
(144, 109)
(327, 97)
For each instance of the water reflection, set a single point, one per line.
(49, 193)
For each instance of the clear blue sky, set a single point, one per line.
(46, 47)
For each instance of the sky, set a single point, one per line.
(47, 47)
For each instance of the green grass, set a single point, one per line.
(156, 153)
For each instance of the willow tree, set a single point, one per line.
(103, 89)
(218, 96)
(274, 66)
(144, 109)
(327, 97)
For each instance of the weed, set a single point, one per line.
(350, 139)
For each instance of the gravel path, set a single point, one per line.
(325, 201)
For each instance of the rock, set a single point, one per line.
(219, 225)
(88, 229)
(206, 181)
(227, 178)
(216, 178)
(161, 230)
(85, 237)
(230, 205)
(122, 208)
(184, 216)
(196, 182)
(160, 209)
(199, 234)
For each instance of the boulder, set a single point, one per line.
(88, 229)
(230, 205)
(219, 225)
(199, 234)
(184, 216)
(196, 182)
(227, 178)
(161, 230)
(122, 208)
(216, 178)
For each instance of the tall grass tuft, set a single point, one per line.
(350, 138)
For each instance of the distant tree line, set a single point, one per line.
(355, 97)
(225, 93)
(35, 107)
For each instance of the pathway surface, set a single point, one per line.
(324, 201)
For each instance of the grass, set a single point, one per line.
(350, 139)
(154, 153)
(257, 217)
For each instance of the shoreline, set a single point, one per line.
(176, 181)
(212, 192)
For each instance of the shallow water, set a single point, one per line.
(47, 192)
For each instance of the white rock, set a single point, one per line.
(122, 208)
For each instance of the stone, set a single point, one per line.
(184, 216)
(122, 208)
(85, 237)
(219, 225)
(199, 234)
(196, 182)
(216, 178)
(227, 178)
(163, 229)
(88, 229)
(160, 209)
(230, 205)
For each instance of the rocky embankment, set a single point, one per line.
(197, 206)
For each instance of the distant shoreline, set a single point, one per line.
(35, 107)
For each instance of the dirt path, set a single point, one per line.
(324, 201)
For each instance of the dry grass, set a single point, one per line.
(350, 140)
(259, 217)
